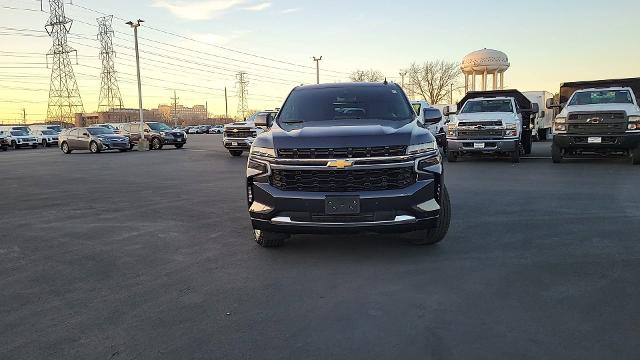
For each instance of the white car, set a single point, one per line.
(46, 138)
(194, 130)
(19, 139)
(218, 129)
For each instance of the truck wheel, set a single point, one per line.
(235, 153)
(527, 143)
(515, 156)
(269, 239)
(65, 148)
(94, 148)
(556, 154)
(436, 234)
(542, 134)
(452, 156)
(635, 156)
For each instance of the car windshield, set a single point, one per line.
(19, 133)
(318, 104)
(56, 128)
(601, 97)
(482, 106)
(159, 127)
(48, 132)
(100, 131)
(107, 126)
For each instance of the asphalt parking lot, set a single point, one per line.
(150, 256)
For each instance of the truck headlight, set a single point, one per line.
(561, 120)
(634, 123)
(560, 127)
(422, 148)
(262, 151)
(255, 168)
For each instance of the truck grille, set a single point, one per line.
(480, 134)
(480, 123)
(603, 116)
(240, 134)
(343, 153)
(597, 128)
(342, 180)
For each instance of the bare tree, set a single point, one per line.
(366, 76)
(434, 80)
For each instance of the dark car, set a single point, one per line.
(94, 139)
(158, 135)
(346, 158)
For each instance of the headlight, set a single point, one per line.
(510, 127)
(560, 127)
(422, 148)
(262, 151)
(163, 133)
(634, 123)
(561, 120)
(255, 168)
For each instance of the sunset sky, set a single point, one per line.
(548, 42)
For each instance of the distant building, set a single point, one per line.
(183, 114)
(113, 116)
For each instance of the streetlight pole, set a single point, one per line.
(142, 143)
(317, 60)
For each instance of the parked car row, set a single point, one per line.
(18, 137)
(202, 129)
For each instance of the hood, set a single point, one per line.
(494, 116)
(240, 125)
(328, 135)
(630, 109)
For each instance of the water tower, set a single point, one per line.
(484, 62)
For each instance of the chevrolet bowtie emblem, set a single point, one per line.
(235, 130)
(340, 164)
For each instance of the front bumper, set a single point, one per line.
(403, 210)
(115, 145)
(618, 142)
(27, 143)
(237, 144)
(174, 141)
(490, 146)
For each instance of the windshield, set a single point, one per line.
(48, 132)
(56, 128)
(100, 131)
(107, 126)
(346, 102)
(19, 133)
(159, 127)
(482, 106)
(23, 129)
(601, 97)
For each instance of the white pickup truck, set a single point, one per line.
(599, 117)
(491, 122)
(238, 137)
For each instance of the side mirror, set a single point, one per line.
(431, 116)
(446, 111)
(535, 108)
(263, 120)
(551, 105)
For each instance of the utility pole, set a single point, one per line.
(451, 95)
(64, 95)
(226, 104)
(317, 60)
(110, 97)
(243, 93)
(175, 99)
(24, 116)
(142, 144)
(206, 111)
(403, 73)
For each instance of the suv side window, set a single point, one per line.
(74, 133)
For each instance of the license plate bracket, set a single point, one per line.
(342, 205)
(478, 145)
(594, 140)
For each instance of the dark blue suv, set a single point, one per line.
(342, 158)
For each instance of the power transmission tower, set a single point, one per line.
(64, 95)
(110, 97)
(243, 93)
(175, 99)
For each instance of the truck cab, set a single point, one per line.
(598, 118)
(238, 137)
(428, 115)
(491, 122)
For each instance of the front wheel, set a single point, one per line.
(65, 148)
(15, 145)
(269, 239)
(45, 143)
(179, 146)
(556, 154)
(4, 147)
(94, 148)
(452, 156)
(156, 144)
(436, 234)
(235, 153)
(635, 156)
(515, 156)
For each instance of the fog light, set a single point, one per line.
(249, 193)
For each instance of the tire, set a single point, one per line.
(4, 147)
(268, 239)
(556, 154)
(527, 143)
(515, 155)
(235, 153)
(179, 146)
(123, 150)
(436, 234)
(452, 156)
(93, 147)
(45, 144)
(15, 145)
(131, 146)
(65, 148)
(635, 156)
(542, 135)
(156, 144)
